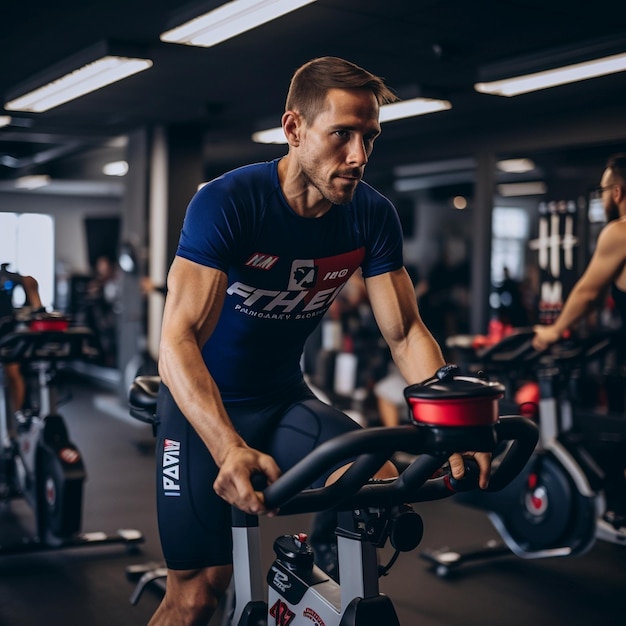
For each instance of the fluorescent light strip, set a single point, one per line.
(516, 166)
(230, 20)
(5, 120)
(552, 78)
(388, 113)
(88, 78)
(412, 108)
(531, 188)
(32, 181)
(115, 168)
(271, 135)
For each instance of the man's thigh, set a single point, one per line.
(194, 522)
(302, 428)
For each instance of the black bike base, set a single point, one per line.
(153, 575)
(129, 537)
(445, 560)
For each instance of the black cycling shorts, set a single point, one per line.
(194, 522)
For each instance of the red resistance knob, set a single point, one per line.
(448, 399)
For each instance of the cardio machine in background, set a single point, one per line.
(38, 460)
(450, 413)
(556, 507)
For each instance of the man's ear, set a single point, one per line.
(292, 124)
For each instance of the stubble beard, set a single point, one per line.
(329, 193)
(611, 212)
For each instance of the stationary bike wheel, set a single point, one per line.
(59, 493)
(548, 511)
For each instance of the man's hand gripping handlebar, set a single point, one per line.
(372, 447)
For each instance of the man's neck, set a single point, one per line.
(302, 197)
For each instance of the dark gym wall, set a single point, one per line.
(103, 237)
(185, 173)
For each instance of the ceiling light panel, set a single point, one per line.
(552, 78)
(88, 71)
(516, 166)
(271, 135)
(553, 67)
(33, 181)
(412, 108)
(115, 168)
(530, 188)
(229, 20)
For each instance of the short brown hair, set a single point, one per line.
(617, 165)
(311, 82)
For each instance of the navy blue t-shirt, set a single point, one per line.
(283, 271)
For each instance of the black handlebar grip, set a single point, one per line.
(523, 435)
(469, 481)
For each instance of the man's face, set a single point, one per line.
(611, 210)
(335, 148)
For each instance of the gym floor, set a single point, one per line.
(89, 587)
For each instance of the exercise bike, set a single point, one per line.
(38, 461)
(450, 413)
(555, 506)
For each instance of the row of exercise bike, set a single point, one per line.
(39, 463)
(546, 494)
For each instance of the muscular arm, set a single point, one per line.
(606, 264)
(413, 348)
(194, 302)
(31, 288)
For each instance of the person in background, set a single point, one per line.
(512, 308)
(607, 267)
(263, 251)
(148, 286)
(102, 298)
(389, 394)
(9, 281)
(606, 271)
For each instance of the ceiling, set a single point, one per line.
(421, 47)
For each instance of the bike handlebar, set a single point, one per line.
(514, 348)
(517, 350)
(372, 447)
(27, 345)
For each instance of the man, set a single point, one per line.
(263, 251)
(606, 270)
(607, 267)
(8, 282)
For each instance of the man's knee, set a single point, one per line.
(197, 592)
(388, 470)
